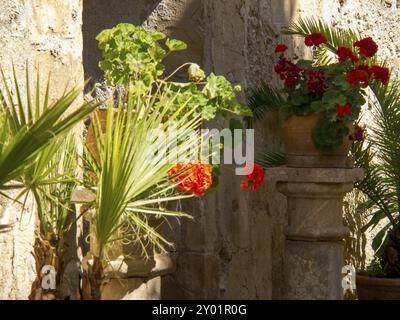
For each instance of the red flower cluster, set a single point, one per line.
(358, 134)
(358, 76)
(345, 53)
(342, 110)
(254, 179)
(380, 73)
(316, 81)
(367, 47)
(315, 39)
(280, 48)
(195, 177)
(362, 73)
(288, 72)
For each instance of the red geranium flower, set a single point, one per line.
(380, 73)
(345, 53)
(367, 47)
(254, 179)
(195, 177)
(356, 77)
(287, 71)
(316, 82)
(281, 48)
(365, 68)
(358, 134)
(315, 39)
(341, 110)
(290, 82)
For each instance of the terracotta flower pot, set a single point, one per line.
(90, 138)
(300, 149)
(371, 288)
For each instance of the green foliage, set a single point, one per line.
(271, 160)
(131, 54)
(379, 155)
(336, 37)
(132, 181)
(30, 125)
(305, 93)
(222, 98)
(264, 99)
(327, 136)
(55, 177)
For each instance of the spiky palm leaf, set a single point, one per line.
(264, 99)
(132, 171)
(335, 37)
(380, 158)
(56, 177)
(271, 160)
(30, 124)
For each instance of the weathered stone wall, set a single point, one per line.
(234, 248)
(44, 33)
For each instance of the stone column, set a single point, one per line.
(315, 231)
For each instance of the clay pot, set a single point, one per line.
(90, 138)
(371, 288)
(300, 149)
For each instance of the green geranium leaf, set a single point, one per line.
(298, 98)
(340, 81)
(305, 64)
(235, 124)
(333, 98)
(175, 45)
(196, 73)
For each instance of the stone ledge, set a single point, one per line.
(316, 175)
(140, 267)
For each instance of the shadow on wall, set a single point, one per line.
(234, 248)
(180, 19)
(104, 14)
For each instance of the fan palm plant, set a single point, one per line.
(30, 124)
(131, 173)
(378, 154)
(33, 159)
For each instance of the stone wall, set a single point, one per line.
(44, 33)
(234, 247)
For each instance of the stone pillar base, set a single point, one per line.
(314, 248)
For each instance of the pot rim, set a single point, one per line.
(369, 280)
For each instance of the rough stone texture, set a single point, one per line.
(44, 33)
(17, 265)
(234, 246)
(314, 247)
(379, 19)
(132, 289)
(136, 277)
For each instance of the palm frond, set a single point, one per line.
(336, 37)
(29, 126)
(265, 99)
(271, 160)
(132, 166)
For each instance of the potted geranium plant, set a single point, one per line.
(377, 152)
(321, 100)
